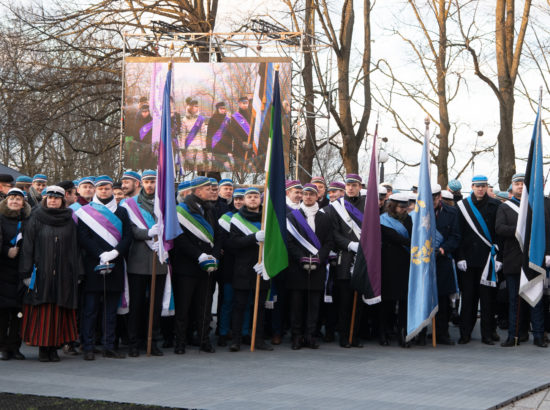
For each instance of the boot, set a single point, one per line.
(43, 354)
(296, 342)
(53, 354)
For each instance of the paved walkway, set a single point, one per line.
(474, 376)
(539, 400)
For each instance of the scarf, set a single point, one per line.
(291, 204)
(310, 212)
(110, 203)
(53, 216)
(146, 201)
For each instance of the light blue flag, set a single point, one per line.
(422, 301)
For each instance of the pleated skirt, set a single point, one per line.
(48, 325)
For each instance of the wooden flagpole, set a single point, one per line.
(151, 304)
(434, 343)
(352, 325)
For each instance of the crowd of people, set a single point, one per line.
(77, 259)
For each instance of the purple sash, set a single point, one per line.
(145, 129)
(194, 130)
(302, 222)
(242, 122)
(356, 213)
(218, 134)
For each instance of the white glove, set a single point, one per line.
(547, 261)
(260, 236)
(498, 266)
(353, 246)
(204, 257)
(154, 231)
(259, 268)
(27, 282)
(461, 265)
(107, 257)
(156, 246)
(12, 252)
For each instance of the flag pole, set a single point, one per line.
(434, 343)
(352, 325)
(151, 304)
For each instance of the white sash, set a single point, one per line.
(137, 222)
(241, 227)
(224, 224)
(513, 206)
(193, 229)
(303, 241)
(96, 227)
(343, 212)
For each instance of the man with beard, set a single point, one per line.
(104, 232)
(347, 217)
(309, 244)
(131, 183)
(396, 227)
(239, 130)
(140, 260)
(194, 259)
(477, 262)
(193, 136)
(218, 143)
(244, 238)
(39, 182)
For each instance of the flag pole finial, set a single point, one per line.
(276, 67)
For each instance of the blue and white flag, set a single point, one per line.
(422, 302)
(530, 229)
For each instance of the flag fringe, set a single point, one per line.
(372, 301)
(526, 287)
(422, 325)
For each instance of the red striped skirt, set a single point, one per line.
(48, 325)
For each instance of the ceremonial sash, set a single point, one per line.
(18, 235)
(225, 221)
(243, 123)
(218, 134)
(312, 243)
(512, 205)
(392, 223)
(124, 304)
(102, 221)
(244, 225)
(75, 207)
(168, 306)
(343, 208)
(194, 131)
(145, 129)
(139, 216)
(471, 213)
(196, 224)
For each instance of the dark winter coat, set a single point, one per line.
(224, 145)
(227, 260)
(472, 249)
(184, 257)
(343, 235)
(395, 262)
(447, 224)
(296, 276)
(238, 137)
(50, 242)
(246, 250)
(94, 246)
(10, 284)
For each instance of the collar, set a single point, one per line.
(111, 206)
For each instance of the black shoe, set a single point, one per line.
(487, 341)
(6, 355)
(43, 354)
(384, 341)
(510, 342)
(167, 344)
(464, 340)
(52, 354)
(70, 350)
(235, 347)
(113, 354)
(264, 346)
(296, 343)
(312, 343)
(222, 341)
(444, 341)
(17, 355)
(356, 342)
(539, 341)
(208, 348)
(495, 337)
(155, 351)
(179, 349)
(89, 355)
(246, 340)
(344, 342)
(133, 352)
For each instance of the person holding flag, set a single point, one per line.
(478, 263)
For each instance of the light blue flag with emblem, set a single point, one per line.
(422, 302)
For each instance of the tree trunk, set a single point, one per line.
(506, 151)
(444, 124)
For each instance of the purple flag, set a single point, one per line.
(165, 203)
(367, 271)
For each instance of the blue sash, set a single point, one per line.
(18, 235)
(194, 131)
(102, 221)
(392, 223)
(198, 218)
